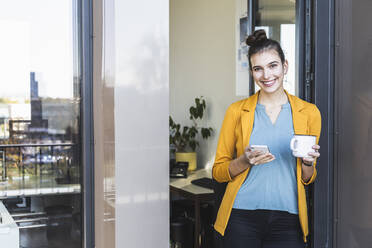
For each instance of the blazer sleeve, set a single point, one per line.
(225, 147)
(314, 124)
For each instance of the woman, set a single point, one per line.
(264, 204)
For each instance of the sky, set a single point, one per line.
(36, 36)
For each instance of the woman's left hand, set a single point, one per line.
(309, 161)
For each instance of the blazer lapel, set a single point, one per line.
(299, 119)
(247, 118)
(299, 123)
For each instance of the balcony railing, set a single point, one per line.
(33, 169)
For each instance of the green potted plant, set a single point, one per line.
(184, 138)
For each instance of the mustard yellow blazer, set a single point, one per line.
(234, 137)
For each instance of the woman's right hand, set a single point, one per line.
(248, 159)
(257, 157)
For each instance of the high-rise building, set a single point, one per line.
(34, 86)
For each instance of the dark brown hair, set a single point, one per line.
(258, 42)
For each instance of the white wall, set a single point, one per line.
(131, 123)
(141, 123)
(202, 63)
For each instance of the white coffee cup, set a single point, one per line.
(301, 145)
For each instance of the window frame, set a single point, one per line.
(87, 131)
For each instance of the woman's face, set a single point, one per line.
(268, 70)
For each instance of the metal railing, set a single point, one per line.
(37, 162)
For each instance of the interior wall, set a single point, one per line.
(131, 107)
(202, 63)
(141, 90)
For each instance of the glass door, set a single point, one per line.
(40, 134)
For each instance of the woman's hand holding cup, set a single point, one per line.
(309, 161)
(256, 157)
(304, 147)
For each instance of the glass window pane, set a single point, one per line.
(278, 18)
(40, 167)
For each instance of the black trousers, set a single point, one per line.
(263, 229)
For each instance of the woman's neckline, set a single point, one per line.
(283, 106)
(283, 99)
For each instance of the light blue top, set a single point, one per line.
(272, 185)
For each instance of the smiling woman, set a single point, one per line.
(267, 71)
(278, 19)
(265, 189)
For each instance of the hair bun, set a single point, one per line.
(258, 36)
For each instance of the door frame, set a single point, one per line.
(87, 130)
(322, 92)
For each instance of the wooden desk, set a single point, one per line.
(183, 187)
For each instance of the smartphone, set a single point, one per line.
(263, 148)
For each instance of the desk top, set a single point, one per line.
(184, 184)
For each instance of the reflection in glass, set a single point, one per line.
(278, 19)
(40, 121)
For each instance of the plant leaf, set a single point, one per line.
(171, 123)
